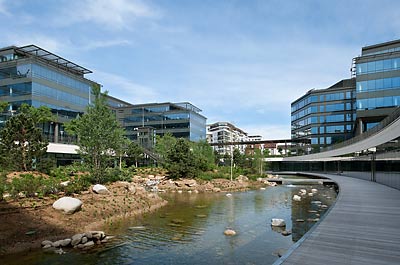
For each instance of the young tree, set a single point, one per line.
(180, 160)
(204, 155)
(3, 106)
(22, 141)
(164, 144)
(134, 151)
(100, 136)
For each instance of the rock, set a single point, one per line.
(303, 192)
(216, 189)
(179, 191)
(311, 194)
(100, 189)
(229, 232)
(190, 182)
(324, 206)
(278, 222)
(242, 178)
(47, 246)
(279, 252)
(80, 246)
(286, 232)
(76, 239)
(272, 184)
(66, 242)
(316, 202)
(84, 240)
(299, 220)
(65, 183)
(228, 195)
(47, 242)
(296, 198)
(88, 244)
(89, 235)
(57, 243)
(67, 204)
(131, 188)
(98, 235)
(314, 190)
(262, 188)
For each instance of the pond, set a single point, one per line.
(190, 229)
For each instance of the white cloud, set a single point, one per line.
(115, 14)
(125, 89)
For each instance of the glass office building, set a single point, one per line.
(377, 72)
(325, 116)
(182, 120)
(34, 76)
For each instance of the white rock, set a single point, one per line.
(76, 239)
(314, 190)
(316, 202)
(296, 198)
(262, 188)
(310, 194)
(67, 204)
(278, 222)
(46, 242)
(100, 189)
(303, 192)
(229, 232)
(228, 195)
(65, 183)
(66, 242)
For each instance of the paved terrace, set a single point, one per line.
(363, 227)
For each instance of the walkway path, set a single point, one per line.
(363, 227)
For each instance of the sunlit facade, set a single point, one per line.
(34, 76)
(377, 73)
(182, 120)
(325, 116)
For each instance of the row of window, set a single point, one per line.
(321, 98)
(324, 118)
(395, 49)
(61, 96)
(322, 108)
(16, 90)
(39, 71)
(378, 66)
(381, 102)
(163, 117)
(378, 84)
(326, 140)
(331, 129)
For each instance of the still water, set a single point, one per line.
(189, 230)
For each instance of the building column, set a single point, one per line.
(56, 130)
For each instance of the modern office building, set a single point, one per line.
(225, 132)
(37, 77)
(325, 116)
(182, 120)
(377, 73)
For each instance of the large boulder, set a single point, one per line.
(100, 189)
(68, 204)
(278, 222)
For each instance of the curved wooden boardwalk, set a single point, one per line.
(363, 227)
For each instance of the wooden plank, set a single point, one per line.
(363, 227)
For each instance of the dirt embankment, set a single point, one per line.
(26, 222)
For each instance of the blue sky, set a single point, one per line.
(239, 61)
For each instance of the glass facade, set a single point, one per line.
(164, 118)
(36, 81)
(378, 83)
(325, 116)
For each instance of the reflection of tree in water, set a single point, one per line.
(307, 211)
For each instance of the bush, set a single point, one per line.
(78, 184)
(32, 186)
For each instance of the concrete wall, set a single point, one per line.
(391, 179)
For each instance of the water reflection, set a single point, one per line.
(190, 229)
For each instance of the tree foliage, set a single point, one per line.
(22, 142)
(164, 144)
(3, 106)
(180, 160)
(203, 155)
(100, 136)
(134, 151)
